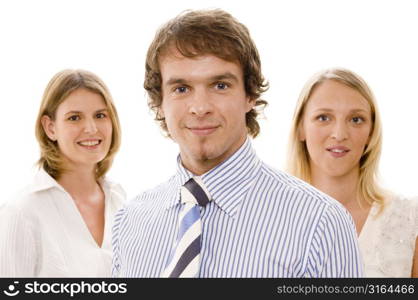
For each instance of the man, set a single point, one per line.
(224, 213)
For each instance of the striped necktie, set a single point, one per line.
(185, 257)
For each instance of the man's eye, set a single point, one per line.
(221, 86)
(181, 89)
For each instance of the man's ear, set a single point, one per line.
(250, 103)
(49, 127)
(160, 112)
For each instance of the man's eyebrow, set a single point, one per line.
(223, 76)
(175, 80)
(227, 75)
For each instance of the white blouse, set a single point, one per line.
(387, 241)
(42, 233)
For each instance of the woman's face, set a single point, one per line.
(336, 126)
(82, 128)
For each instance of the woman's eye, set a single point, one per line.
(323, 118)
(101, 116)
(74, 118)
(358, 120)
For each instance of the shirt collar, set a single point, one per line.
(228, 182)
(43, 181)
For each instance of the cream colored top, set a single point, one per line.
(42, 233)
(387, 241)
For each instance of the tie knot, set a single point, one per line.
(194, 191)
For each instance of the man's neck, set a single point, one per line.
(202, 165)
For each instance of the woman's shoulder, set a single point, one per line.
(401, 208)
(22, 202)
(21, 206)
(388, 239)
(401, 202)
(27, 198)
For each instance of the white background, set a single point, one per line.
(376, 39)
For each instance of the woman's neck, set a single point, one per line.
(79, 183)
(89, 198)
(342, 188)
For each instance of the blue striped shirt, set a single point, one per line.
(260, 223)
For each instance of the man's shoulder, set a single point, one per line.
(154, 195)
(146, 204)
(290, 184)
(306, 199)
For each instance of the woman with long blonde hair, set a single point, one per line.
(335, 145)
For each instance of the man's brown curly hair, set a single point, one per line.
(207, 32)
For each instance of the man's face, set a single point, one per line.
(204, 105)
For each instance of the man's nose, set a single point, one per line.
(200, 102)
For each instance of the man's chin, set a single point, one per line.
(205, 153)
(203, 156)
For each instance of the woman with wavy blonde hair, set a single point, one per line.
(335, 145)
(60, 225)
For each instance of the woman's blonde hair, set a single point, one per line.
(298, 156)
(59, 88)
